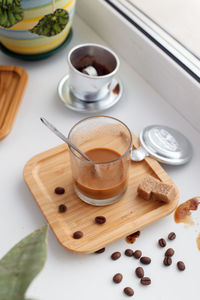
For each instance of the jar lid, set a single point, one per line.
(166, 144)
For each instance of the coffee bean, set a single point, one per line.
(145, 260)
(117, 278)
(137, 254)
(100, 219)
(167, 261)
(171, 236)
(139, 272)
(131, 238)
(59, 190)
(145, 281)
(181, 265)
(77, 235)
(169, 252)
(128, 252)
(100, 251)
(162, 243)
(128, 291)
(62, 208)
(115, 255)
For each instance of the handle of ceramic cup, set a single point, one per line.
(139, 154)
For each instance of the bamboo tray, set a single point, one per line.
(13, 81)
(45, 171)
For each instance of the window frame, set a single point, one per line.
(173, 48)
(157, 68)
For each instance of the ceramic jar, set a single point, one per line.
(42, 25)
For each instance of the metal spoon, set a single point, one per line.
(64, 138)
(139, 154)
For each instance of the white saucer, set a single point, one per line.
(74, 103)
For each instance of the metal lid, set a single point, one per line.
(166, 144)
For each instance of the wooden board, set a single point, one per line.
(44, 172)
(13, 81)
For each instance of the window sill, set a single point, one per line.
(172, 82)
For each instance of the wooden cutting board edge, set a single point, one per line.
(12, 111)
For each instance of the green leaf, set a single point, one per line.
(21, 264)
(10, 16)
(9, 3)
(52, 24)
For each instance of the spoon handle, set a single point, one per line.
(64, 138)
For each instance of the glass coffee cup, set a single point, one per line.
(107, 142)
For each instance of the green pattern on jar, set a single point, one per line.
(10, 3)
(10, 16)
(52, 24)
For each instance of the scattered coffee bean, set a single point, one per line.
(145, 260)
(139, 272)
(100, 251)
(77, 235)
(171, 236)
(167, 261)
(145, 281)
(117, 278)
(62, 208)
(181, 265)
(131, 238)
(59, 190)
(128, 252)
(128, 291)
(162, 243)
(169, 252)
(137, 254)
(115, 255)
(100, 219)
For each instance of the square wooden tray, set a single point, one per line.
(45, 171)
(13, 81)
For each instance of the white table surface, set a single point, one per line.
(72, 276)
